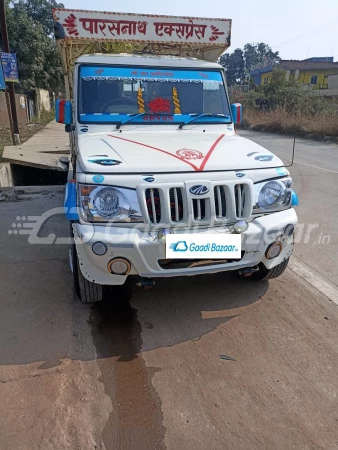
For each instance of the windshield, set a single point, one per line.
(115, 94)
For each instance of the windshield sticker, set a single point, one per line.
(186, 153)
(137, 74)
(159, 104)
(156, 118)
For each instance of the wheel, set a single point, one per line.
(267, 274)
(89, 292)
(85, 290)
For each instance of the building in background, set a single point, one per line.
(311, 73)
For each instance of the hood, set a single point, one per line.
(175, 151)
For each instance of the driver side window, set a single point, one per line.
(112, 97)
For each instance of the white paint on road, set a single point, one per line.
(314, 279)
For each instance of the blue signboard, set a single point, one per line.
(10, 67)
(2, 80)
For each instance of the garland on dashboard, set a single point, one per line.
(140, 101)
(176, 101)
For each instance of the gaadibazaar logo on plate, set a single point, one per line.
(201, 246)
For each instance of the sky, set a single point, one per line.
(298, 29)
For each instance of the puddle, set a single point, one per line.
(136, 419)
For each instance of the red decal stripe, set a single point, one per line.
(197, 169)
(155, 148)
(212, 148)
(62, 111)
(238, 114)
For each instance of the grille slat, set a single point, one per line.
(199, 208)
(199, 213)
(220, 202)
(240, 195)
(177, 216)
(176, 204)
(153, 202)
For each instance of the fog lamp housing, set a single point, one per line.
(119, 266)
(274, 250)
(162, 234)
(99, 248)
(240, 226)
(289, 230)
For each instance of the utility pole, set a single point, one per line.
(10, 86)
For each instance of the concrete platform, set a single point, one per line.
(43, 150)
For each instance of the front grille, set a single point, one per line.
(224, 203)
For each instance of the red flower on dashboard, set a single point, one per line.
(159, 105)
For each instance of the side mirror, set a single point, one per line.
(63, 112)
(237, 112)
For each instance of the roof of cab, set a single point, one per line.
(146, 60)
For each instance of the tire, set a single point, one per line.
(89, 292)
(85, 290)
(268, 274)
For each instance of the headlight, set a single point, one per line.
(108, 204)
(273, 195)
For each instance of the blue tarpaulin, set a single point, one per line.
(2, 80)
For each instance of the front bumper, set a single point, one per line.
(144, 251)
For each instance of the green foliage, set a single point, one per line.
(288, 96)
(235, 66)
(259, 54)
(29, 25)
(40, 11)
(239, 63)
(45, 116)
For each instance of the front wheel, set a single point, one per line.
(85, 290)
(268, 274)
(89, 292)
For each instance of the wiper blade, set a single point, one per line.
(203, 115)
(135, 116)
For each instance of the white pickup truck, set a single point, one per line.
(160, 184)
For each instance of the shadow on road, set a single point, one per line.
(176, 310)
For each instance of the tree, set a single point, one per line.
(40, 11)
(31, 40)
(259, 54)
(239, 63)
(235, 66)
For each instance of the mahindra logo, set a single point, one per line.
(199, 189)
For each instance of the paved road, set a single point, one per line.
(74, 377)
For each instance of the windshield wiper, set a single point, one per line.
(135, 116)
(204, 115)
